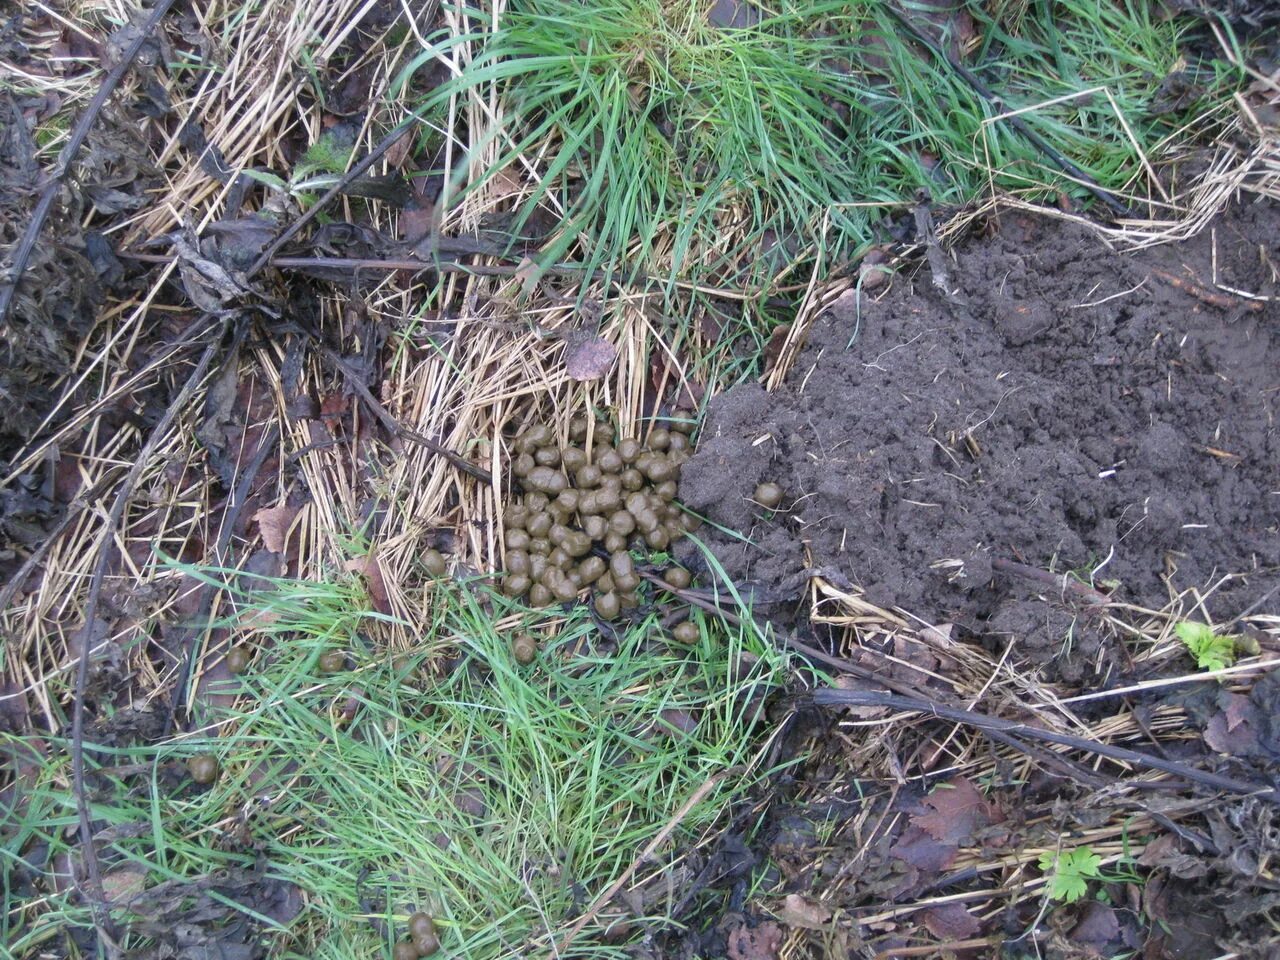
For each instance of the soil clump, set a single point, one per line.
(1067, 408)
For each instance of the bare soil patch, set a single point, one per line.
(1070, 409)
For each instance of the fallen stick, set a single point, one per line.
(1064, 582)
(982, 721)
(1202, 293)
(97, 898)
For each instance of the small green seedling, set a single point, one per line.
(1069, 872)
(1210, 652)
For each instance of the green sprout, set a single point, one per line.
(1069, 872)
(1211, 652)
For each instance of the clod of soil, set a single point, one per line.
(1069, 409)
(204, 768)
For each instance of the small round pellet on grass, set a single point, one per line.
(524, 648)
(768, 495)
(516, 585)
(434, 563)
(421, 925)
(677, 577)
(607, 605)
(686, 633)
(658, 538)
(238, 658)
(204, 768)
(333, 661)
(404, 950)
(426, 945)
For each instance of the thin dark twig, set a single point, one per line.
(1247, 611)
(392, 424)
(68, 154)
(982, 721)
(696, 599)
(369, 159)
(1039, 142)
(115, 515)
(239, 497)
(74, 509)
(439, 263)
(1064, 582)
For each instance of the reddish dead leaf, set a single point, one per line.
(957, 812)
(797, 911)
(334, 405)
(923, 852)
(754, 943)
(589, 359)
(773, 349)
(950, 921)
(1097, 930)
(398, 152)
(369, 568)
(1234, 730)
(505, 183)
(273, 524)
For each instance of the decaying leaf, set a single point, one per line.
(369, 567)
(273, 524)
(949, 921)
(802, 913)
(957, 811)
(590, 358)
(754, 943)
(121, 885)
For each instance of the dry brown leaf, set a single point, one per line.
(273, 524)
(590, 358)
(957, 811)
(369, 568)
(754, 943)
(949, 922)
(123, 884)
(804, 914)
(773, 349)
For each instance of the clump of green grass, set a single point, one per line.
(502, 799)
(681, 147)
